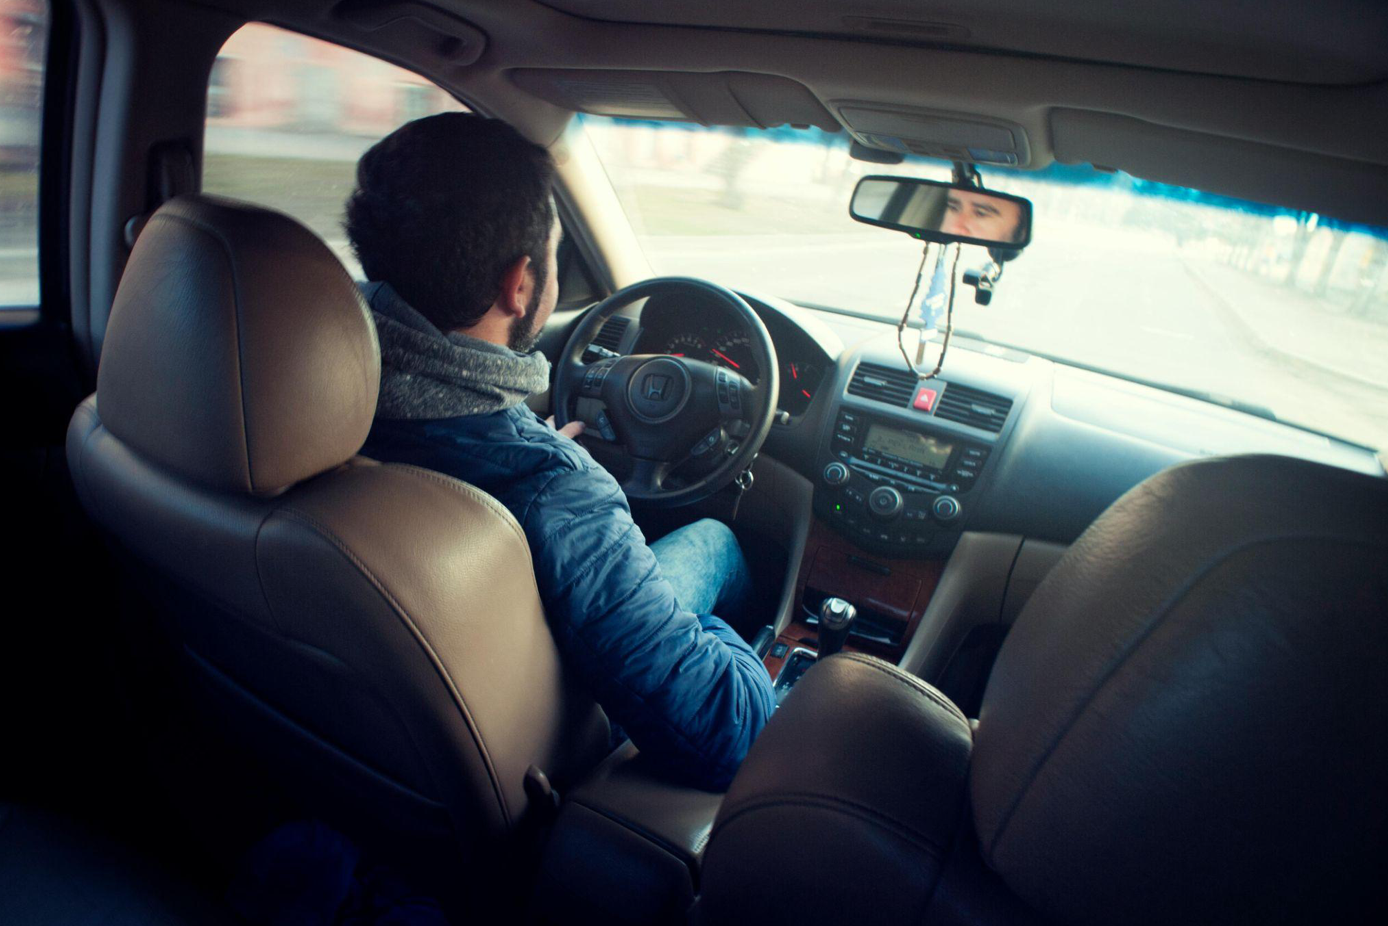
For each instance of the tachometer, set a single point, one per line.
(687, 345)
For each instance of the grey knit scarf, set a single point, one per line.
(426, 373)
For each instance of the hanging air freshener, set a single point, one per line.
(933, 306)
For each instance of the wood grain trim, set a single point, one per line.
(895, 589)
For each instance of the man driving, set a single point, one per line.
(453, 222)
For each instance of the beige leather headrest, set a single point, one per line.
(239, 352)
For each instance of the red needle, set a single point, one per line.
(806, 393)
(793, 374)
(736, 365)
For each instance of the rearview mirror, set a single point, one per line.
(932, 210)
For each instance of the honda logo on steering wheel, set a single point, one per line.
(655, 385)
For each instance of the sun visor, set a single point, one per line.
(733, 98)
(949, 136)
(415, 25)
(1354, 191)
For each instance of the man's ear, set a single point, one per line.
(516, 286)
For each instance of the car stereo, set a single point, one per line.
(893, 488)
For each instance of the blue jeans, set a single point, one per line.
(704, 564)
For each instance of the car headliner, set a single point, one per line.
(1285, 108)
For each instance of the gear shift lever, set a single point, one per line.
(835, 617)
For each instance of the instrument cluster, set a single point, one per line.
(724, 341)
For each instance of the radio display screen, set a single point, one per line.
(907, 445)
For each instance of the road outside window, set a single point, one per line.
(1282, 312)
(288, 116)
(23, 40)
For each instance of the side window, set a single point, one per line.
(288, 116)
(23, 39)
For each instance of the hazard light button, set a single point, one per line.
(925, 399)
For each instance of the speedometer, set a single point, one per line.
(687, 345)
(734, 351)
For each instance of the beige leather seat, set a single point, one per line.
(1188, 724)
(372, 631)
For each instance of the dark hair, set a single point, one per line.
(444, 205)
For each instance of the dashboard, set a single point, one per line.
(1002, 442)
(1009, 443)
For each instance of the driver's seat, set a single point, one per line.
(373, 632)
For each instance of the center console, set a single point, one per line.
(893, 489)
(888, 594)
(899, 474)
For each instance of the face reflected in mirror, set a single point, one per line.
(978, 215)
(942, 212)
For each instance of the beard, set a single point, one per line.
(522, 336)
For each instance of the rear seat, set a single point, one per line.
(53, 871)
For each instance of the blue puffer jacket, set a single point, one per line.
(690, 693)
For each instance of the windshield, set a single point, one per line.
(1279, 312)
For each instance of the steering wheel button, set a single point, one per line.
(605, 427)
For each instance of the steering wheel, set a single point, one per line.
(668, 410)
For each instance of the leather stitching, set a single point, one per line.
(260, 574)
(230, 257)
(902, 678)
(469, 490)
(79, 472)
(477, 495)
(327, 534)
(673, 848)
(839, 805)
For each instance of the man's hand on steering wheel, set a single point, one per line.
(572, 430)
(668, 410)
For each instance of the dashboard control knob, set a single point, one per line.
(836, 474)
(945, 508)
(885, 503)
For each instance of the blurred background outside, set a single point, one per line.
(23, 42)
(1283, 311)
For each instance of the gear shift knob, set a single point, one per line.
(835, 617)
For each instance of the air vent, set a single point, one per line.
(973, 407)
(884, 384)
(612, 330)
